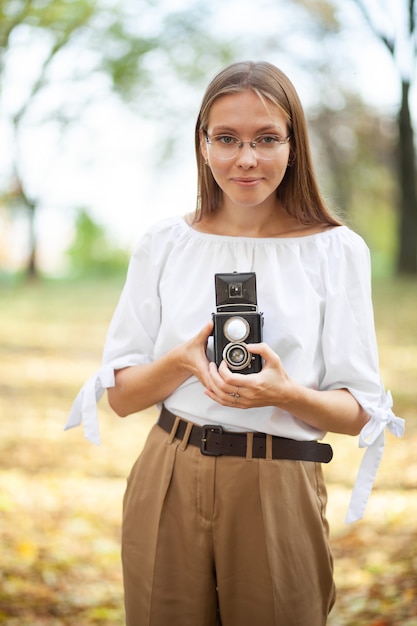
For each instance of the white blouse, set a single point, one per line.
(315, 296)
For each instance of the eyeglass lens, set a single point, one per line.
(229, 148)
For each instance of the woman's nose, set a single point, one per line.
(246, 156)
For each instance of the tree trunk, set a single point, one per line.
(407, 253)
(31, 266)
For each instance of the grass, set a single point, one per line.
(60, 496)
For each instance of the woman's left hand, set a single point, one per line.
(334, 410)
(270, 387)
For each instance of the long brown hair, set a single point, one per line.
(298, 192)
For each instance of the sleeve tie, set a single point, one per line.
(84, 408)
(372, 437)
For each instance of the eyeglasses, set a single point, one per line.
(227, 147)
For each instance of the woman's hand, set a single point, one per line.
(140, 386)
(192, 355)
(270, 387)
(335, 410)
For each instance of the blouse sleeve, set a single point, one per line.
(130, 339)
(351, 358)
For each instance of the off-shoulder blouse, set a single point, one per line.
(315, 295)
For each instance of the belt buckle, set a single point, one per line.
(210, 428)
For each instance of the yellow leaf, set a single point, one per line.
(27, 550)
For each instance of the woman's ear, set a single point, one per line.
(291, 159)
(203, 146)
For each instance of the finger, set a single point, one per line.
(229, 377)
(222, 388)
(267, 354)
(206, 331)
(220, 399)
(225, 373)
(218, 382)
(225, 399)
(259, 348)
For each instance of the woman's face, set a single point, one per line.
(246, 180)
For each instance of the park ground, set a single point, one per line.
(60, 496)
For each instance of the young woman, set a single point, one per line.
(224, 513)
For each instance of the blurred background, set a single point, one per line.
(98, 100)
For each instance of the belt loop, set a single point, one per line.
(186, 437)
(249, 446)
(268, 455)
(174, 430)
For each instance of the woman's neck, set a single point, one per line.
(254, 223)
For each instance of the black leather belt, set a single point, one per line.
(214, 441)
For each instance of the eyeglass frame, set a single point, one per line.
(241, 143)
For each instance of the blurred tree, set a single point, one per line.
(355, 146)
(91, 252)
(61, 23)
(108, 38)
(395, 26)
(140, 49)
(354, 139)
(400, 39)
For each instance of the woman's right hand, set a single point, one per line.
(140, 386)
(193, 355)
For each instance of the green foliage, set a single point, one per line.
(118, 37)
(92, 252)
(58, 18)
(123, 46)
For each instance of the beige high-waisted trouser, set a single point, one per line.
(224, 540)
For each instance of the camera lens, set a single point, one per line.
(237, 356)
(236, 328)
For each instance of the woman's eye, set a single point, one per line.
(268, 139)
(226, 139)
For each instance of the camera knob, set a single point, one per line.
(236, 329)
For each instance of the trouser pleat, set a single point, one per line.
(249, 535)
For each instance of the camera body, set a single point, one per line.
(237, 322)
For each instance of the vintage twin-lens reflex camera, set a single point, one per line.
(237, 322)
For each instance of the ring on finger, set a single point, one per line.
(236, 394)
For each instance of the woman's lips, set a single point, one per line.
(247, 182)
